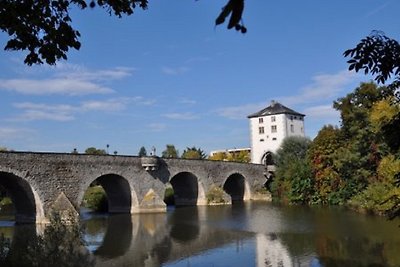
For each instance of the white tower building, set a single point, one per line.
(269, 127)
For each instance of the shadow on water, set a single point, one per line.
(184, 224)
(114, 232)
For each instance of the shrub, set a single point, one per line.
(95, 198)
(377, 198)
(169, 198)
(216, 195)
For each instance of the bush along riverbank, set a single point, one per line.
(95, 198)
(357, 164)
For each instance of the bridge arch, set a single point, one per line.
(121, 196)
(268, 158)
(188, 191)
(237, 187)
(27, 204)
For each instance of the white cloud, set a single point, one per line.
(67, 79)
(174, 71)
(79, 72)
(62, 112)
(323, 87)
(377, 10)
(53, 86)
(10, 133)
(156, 127)
(187, 101)
(322, 111)
(181, 116)
(240, 112)
(33, 112)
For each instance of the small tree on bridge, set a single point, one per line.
(142, 152)
(95, 151)
(193, 153)
(170, 152)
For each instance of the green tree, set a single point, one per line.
(360, 157)
(142, 152)
(44, 28)
(3, 149)
(322, 155)
(219, 156)
(293, 181)
(193, 153)
(379, 55)
(241, 156)
(95, 151)
(292, 148)
(170, 152)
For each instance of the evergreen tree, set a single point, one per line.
(170, 152)
(142, 152)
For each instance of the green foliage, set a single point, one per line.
(292, 148)
(385, 118)
(193, 153)
(142, 152)
(3, 149)
(59, 245)
(169, 198)
(376, 54)
(219, 156)
(216, 195)
(95, 198)
(170, 152)
(95, 151)
(377, 198)
(327, 157)
(241, 156)
(293, 181)
(388, 169)
(5, 201)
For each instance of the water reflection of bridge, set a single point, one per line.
(161, 238)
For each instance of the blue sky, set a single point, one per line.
(168, 76)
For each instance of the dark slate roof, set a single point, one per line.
(274, 109)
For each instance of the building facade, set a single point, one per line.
(268, 128)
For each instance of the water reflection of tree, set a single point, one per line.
(60, 245)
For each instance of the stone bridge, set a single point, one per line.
(41, 182)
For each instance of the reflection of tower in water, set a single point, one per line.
(270, 252)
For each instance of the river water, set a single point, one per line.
(253, 234)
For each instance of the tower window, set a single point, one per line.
(273, 119)
(291, 128)
(260, 120)
(273, 129)
(260, 130)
